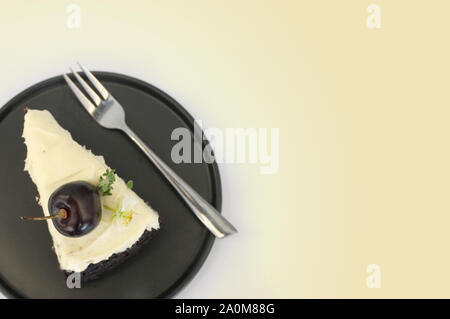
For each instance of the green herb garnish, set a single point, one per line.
(130, 184)
(105, 183)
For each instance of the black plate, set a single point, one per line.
(28, 266)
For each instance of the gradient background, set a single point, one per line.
(363, 115)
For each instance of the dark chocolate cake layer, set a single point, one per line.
(94, 271)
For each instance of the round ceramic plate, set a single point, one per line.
(28, 266)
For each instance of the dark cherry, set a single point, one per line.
(75, 209)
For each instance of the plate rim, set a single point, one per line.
(216, 184)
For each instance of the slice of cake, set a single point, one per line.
(123, 221)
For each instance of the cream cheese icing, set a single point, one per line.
(54, 159)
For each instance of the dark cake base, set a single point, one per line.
(94, 271)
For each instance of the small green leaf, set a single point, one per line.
(105, 182)
(130, 184)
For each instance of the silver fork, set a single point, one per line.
(108, 112)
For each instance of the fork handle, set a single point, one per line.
(204, 211)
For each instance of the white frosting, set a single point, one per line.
(54, 159)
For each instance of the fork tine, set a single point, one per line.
(88, 89)
(80, 96)
(100, 88)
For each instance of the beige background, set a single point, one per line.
(363, 115)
